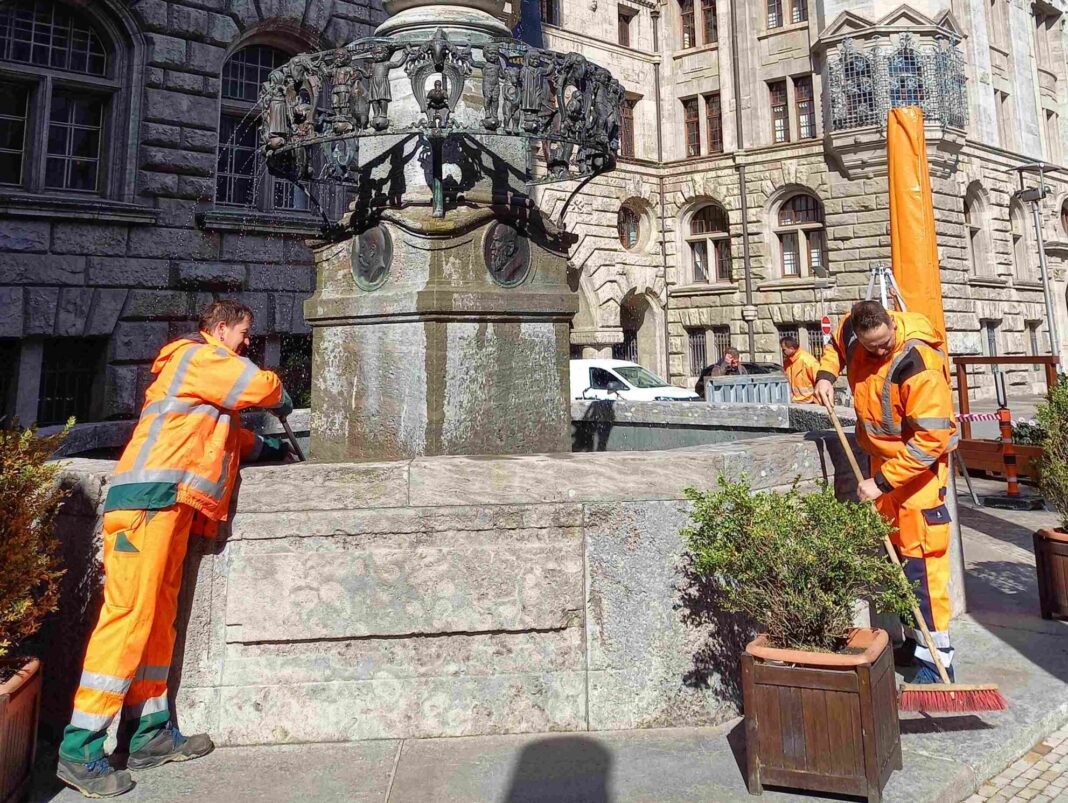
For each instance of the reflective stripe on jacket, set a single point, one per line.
(903, 401)
(188, 443)
(801, 372)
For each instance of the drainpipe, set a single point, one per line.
(655, 14)
(749, 312)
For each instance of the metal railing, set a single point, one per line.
(755, 389)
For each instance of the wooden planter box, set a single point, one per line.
(20, 701)
(983, 455)
(1051, 563)
(822, 721)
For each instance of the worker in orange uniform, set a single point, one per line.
(801, 368)
(897, 369)
(174, 477)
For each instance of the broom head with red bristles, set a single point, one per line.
(950, 698)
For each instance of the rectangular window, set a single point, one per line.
(71, 370)
(73, 160)
(626, 128)
(238, 160)
(624, 28)
(628, 349)
(697, 343)
(723, 259)
(799, 11)
(708, 17)
(780, 117)
(721, 341)
(1005, 121)
(815, 253)
(790, 330)
(689, 26)
(714, 120)
(774, 13)
(550, 12)
(791, 262)
(693, 127)
(806, 108)
(13, 113)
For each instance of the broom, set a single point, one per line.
(944, 697)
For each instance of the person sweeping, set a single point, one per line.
(800, 367)
(174, 478)
(900, 381)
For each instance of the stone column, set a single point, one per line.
(441, 336)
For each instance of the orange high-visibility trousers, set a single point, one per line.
(129, 654)
(918, 512)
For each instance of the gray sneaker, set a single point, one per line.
(95, 778)
(170, 745)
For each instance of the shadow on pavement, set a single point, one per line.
(996, 527)
(943, 724)
(566, 768)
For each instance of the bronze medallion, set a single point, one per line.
(507, 254)
(372, 255)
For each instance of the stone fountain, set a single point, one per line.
(441, 312)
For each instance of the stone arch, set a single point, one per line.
(774, 243)
(976, 209)
(687, 259)
(641, 319)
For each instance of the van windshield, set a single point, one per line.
(639, 377)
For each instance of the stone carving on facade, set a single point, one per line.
(507, 254)
(372, 256)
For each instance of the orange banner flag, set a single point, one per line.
(913, 247)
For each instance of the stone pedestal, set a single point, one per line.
(441, 336)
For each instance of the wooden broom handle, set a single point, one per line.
(889, 547)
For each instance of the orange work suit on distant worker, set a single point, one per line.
(175, 477)
(897, 369)
(801, 368)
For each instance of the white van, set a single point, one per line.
(618, 379)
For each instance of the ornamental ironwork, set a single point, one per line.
(317, 107)
(864, 84)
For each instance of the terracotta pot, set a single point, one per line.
(1051, 564)
(20, 702)
(822, 721)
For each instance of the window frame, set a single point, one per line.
(624, 17)
(800, 99)
(691, 126)
(625, 214)
(264, 185)
(551, 12)
(626, 128)
(119, 114)
(780, 111)
(810, 236)
(688, 24)
(707, 5)
(714, 121)
(716, 243)
(775, 17)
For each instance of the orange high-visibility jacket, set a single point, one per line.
(188, 442)
(903, 401)
(801, 372)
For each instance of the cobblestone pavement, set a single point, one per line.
(1040, 776)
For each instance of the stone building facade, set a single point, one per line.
(786, 100)
(750, 200)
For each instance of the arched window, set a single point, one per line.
(906, 77)
(628, 224)
(59, 85)
(800, 237)
(1021, 253)
(709, 243)
(241, 177)
(1064, 217)
(975, 231)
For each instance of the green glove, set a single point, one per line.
(284, 408)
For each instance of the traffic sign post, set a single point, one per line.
(825, 325)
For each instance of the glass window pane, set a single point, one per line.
(246, 70)
(82, 174)
(13, 111)
(699, 255)
(56, 173)
(51, 35)
(73, 142)
(790, 262)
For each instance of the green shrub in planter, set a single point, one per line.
(1053, 467)
(30, 498)
(795, 563)
(1028, 433)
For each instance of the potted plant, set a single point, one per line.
(30, 498)
(1051, 545)
(819, 695)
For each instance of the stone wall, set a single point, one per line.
(443, 596)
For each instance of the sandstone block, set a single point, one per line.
(169, 136)
(198, 140)
(24, 235)
(19, 268)
(156, 304)
(122, 385)
(184, 82)
(72, 311)
(11, 311)
(175, 160)
(160, 242)
(41, 303)
(252, 248)
(188, 22)
(165, 51)
(223, 275)
(153, 14)
(138, 340)
(107, 306)
(311, 486)
(129, 272)
(150, 182)
(89, 238)
(297, 278)
(195, 188)
(167, 106)
(207, 59)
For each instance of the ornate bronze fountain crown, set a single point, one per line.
(331, 100)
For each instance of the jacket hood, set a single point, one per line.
(916, 326)
(171, 349)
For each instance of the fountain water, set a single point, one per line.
(442, 306)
